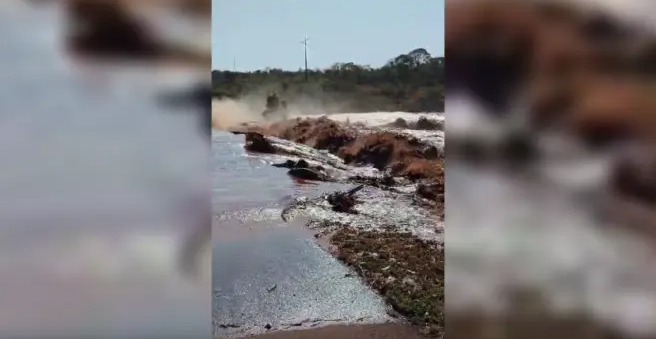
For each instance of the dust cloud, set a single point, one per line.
(227, 113)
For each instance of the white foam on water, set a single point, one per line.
(375, 119)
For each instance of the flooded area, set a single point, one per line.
(269, 274)
(286, 276)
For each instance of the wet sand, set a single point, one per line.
(380, 331)
(284, 281)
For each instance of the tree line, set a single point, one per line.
(412, 82)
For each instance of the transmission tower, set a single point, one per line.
(305, 44)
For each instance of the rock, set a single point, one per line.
(431, 152)
(295, 164)
(302, 164)
(388, 180)
(400, 123)
(256, 142)
(428, 124)
(306, 174)
(268, 326)
(344, 202)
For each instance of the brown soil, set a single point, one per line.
(400, 154)
(321, 133)
(380, 149)
(433, 193)
(406, 271)
(585, 71)
(416, 168)
(378, 331)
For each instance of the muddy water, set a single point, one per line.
(269, 275)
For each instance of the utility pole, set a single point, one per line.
(305, 44)
(234, 64)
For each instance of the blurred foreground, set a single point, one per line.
(550, 169)
(103, 185)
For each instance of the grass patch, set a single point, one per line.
(407, 271)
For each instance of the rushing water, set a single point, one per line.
(245, 181)
(267, 271)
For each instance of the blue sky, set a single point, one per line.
(265, 33)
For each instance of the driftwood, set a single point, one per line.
(344, 202)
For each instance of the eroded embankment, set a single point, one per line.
(389, 226)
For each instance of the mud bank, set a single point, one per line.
(388, 227)
(398, 153)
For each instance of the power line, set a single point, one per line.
(305, 44)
